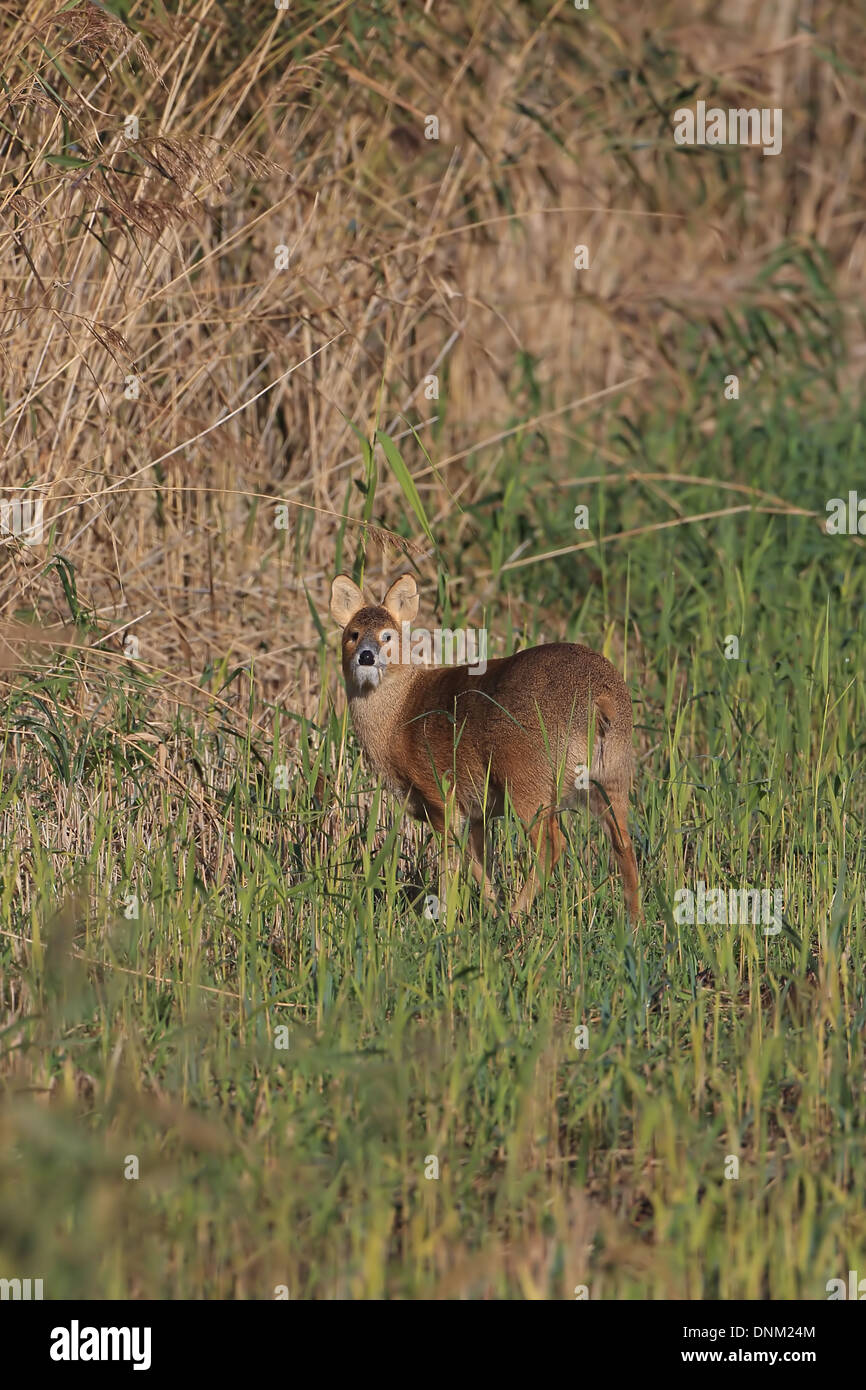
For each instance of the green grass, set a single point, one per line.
(409, 1037)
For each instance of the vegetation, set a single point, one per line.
(217, 954)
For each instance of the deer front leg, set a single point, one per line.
(478, 846)
(435, 815)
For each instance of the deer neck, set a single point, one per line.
(378, 716)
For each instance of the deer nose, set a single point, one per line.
(366, 658)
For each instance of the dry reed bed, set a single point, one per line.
(155, 258)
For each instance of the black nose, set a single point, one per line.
(366, 659)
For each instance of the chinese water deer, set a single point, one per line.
(546, 728)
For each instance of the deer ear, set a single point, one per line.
(401, 599)
(346, 599)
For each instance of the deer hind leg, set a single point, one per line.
(478, 846)
(548, 843)
(612, 810)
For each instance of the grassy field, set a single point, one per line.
(298, 1157)
(238, 1059)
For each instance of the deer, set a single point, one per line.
(543, 730)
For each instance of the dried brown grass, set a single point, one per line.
(155, 258)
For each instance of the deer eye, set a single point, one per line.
(353, 636)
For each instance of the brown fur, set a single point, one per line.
(519, 730)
